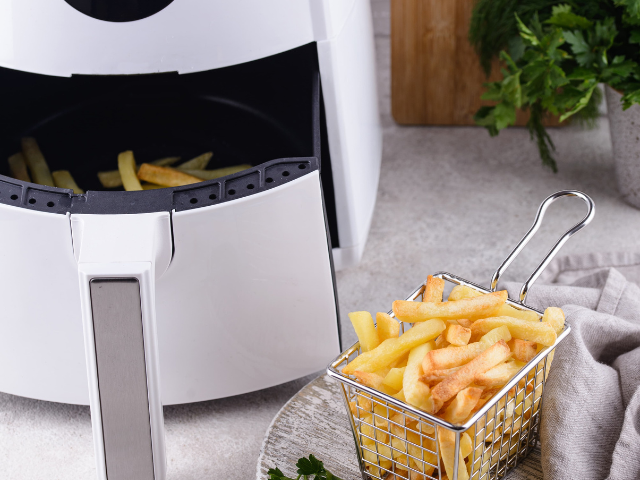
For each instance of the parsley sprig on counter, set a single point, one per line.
(307, 467)
(554, 54)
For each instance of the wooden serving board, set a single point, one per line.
(315, 422)
(436, 78)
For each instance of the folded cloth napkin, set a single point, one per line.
(591, 413)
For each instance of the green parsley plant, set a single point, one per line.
(306, 468)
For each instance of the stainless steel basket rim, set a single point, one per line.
(333, 372)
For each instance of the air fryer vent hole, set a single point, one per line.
(50, 204)
(32, 201)
(251, 186)
(302, 166)
(14, 197)
(194, 200)
(269, 180)
(232, 192)
(213, 196)
(285, 173)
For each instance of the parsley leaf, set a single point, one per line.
(307, 467)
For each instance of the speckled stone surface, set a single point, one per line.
(625, 140)
(449, 199)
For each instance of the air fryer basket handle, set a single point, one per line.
(119, 257)
(532, 231)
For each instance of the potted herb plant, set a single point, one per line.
(554, 56)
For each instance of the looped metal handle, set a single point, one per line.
(532, 231)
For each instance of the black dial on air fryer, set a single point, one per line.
(119, 10)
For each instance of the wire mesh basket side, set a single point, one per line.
(393, 442)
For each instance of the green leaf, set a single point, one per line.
(580, 47)
(310, 466)
(505, 115)
(563, 17)
(579, 104)
(630, 98)
(632, 7)
(526, 33)
(516, 48)
(276, 474)
(635, 36)
(484, 117)
(493, 92)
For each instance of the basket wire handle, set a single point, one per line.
(532, 231)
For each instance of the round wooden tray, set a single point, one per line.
(315, 422)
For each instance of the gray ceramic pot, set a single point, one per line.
(625, 139)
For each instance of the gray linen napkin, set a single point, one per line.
(591, 413)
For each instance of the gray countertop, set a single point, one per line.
(449, 199)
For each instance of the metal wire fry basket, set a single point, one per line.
(394, 438)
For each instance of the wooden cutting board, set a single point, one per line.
(436, 78)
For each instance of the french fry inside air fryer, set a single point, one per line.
(457, 355)
(30, 165)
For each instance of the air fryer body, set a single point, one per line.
(248, 298)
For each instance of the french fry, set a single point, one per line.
(476, 307)
(18, 167)
(166, 176)
(462, 405)
(166, 161)
(393, 348)
(466, 445)
(217, 173)
(416, 392)
(436, 376)
(498, 333)
(450, 357)
(523, 350)
(458, 335)
(433, 290)
(386, 327)
(365, 330)
(538, 332)
(441, 341)
(399, 396)
(394, 378)
(498, 375)
(460, 292)
(63, 179)
(127, 169)
(447, 442)
(110, 179)
(461, 379)
(555, 317)
(198, 163)
(465, 322)
(151, 186)
(374, 380)
(40, 172)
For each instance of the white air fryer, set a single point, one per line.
(189, 293)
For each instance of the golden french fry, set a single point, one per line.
(415, 392)
(450, 357)
(461, 379)
(127, 169)
(436, 376)
(509, 311)
(476, 307)
(198, 163)
(523, 350)
(555, 317)
(498, 333)
(166, 161)
(460, 292)
(217, 173)
(458, 335)
(365, 330)
(447, 441)
(538, 332)
(386, 327)
(393, 348)
(399, 396)
(374, 380)
(18, 167)
(433, 290)
(465, 322)
(35, 161)
(111, 178)
(441, 341)
(151, 186)
(394, 378)
(498, 375)
(166, 176)
(462, 405)
(63, 179)
(466, 445)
